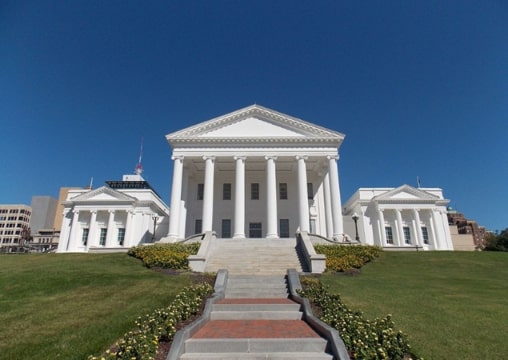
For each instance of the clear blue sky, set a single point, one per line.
(420, 88)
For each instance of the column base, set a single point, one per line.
(272, 236)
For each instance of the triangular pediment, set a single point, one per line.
(103, 194)
(406, 193)
(255, 123)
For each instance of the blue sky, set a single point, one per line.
(420, 88)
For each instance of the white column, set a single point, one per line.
(328, 206)
(92, 229)
(437, 233)
(127, 238)
(418, 228)
(303, 202)
(382, 231)
(63, 243)
(111, 226)
(338, 228)
(400, 229)
(433, 237)
(183, 206)
(73, 241)
(176, 195)
(239, 222)
(208, 193)
(271, 198)
(447, 236)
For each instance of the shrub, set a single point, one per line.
(342, 257)
(168, 256)
(160, 325)
(364, 339)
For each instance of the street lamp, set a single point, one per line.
(155, 218)
(355, 218)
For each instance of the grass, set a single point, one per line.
(69, 306)
(453, 305)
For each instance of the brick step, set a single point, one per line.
(256, 315)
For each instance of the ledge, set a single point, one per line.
(335, 342)
(178, 345)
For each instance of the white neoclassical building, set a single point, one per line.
(112, 218)
(258, 173)
(255, 173)
(404, 217)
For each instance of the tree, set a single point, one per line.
(497, 242)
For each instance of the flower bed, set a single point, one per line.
(364, 339)
(158, 326)
(167, 256)
(342, 258)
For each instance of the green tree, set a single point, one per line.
(497, 242)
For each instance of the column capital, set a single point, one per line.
(303, 157)
(177, 157)
(271, 157)
(209, 157)
(334, 157)
(111, 211)
(243, 158)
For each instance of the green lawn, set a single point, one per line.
(69, 306)
(453, 305)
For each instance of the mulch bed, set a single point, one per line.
(197, 278)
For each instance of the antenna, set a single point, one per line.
(418, 182)
(139, 167)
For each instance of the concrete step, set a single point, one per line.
(254, 345)
(257, 294)
(258, 356)
(256, 307)
(253, 256)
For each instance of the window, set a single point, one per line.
(254, 191)
(310, 191)
(201, 191)
(284, 228)
(226, 228)
(283, 191)
(425, 234)
(407, 234)
(226, 191)
(255, 230)
(389, 235)
(102, 239)
(312, 226)
(198, 226)
(121, 236)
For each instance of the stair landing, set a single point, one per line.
(253, 256)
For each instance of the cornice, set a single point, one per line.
(271, 140)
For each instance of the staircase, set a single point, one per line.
(256, 320)
(253, 256)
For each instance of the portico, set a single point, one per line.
(255, 173)
(404, 217)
